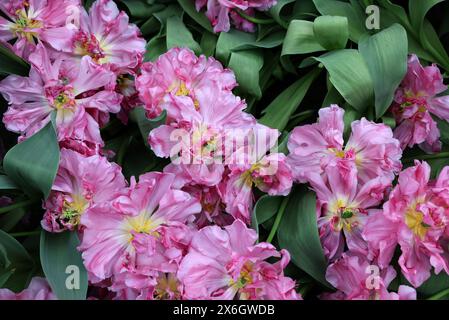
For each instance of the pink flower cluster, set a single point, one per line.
(204, 121)
(361, 220)
(415, 103)
(163, 235)
(145, 244)
(222, 12)
(78, 63)
(416, 217)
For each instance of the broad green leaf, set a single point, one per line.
(300, 39)
(150, 26)
(437, 165)
(432, 43)
(227, 41)
(246, 65)
(273, 40)
(266, 207)
(385, 54)
(332, 97)
(179, 36)
(199, 17)
(7, 184)
(10, 63)
(414, 47)
(283, 143)
(146, 125)
(443, 126)
(427, 34)
(391, 14)
(278, 112)
(208, 44)
(155, 47)
(265, 30)
(434, 285)
(350, 76)
(63, 265)
(15, 263)
(268, 69)
(298, 233)
(277, 9)
(331, 32)
(140, 9)
(349, 117)
(418, 11)
(10, 219)
(33, 163)
(4, 277)
(389, 121)
(356, 20)
(163, 15)
(304, 9)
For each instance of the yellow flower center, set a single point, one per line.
(63, 101)
(244, 277)
(339, 153)
(422, 109)
(167, 288)
(142, 223)
(204, 141)
(343, 215)
(414, 220)
(72, 211)
(183, 91)
(247, 177)
(24, 26)
(412, 98)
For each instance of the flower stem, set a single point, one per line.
(439, 295)
(440, 155)
(25, 234)
(122, 151)
(253, 19)
(303, 115)
(277, 220)
(18, 205)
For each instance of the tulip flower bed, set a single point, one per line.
(193, 149)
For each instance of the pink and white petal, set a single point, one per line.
(5, 30)
(206, 174)
(202, 276)
(373, 192)
(18, 90)
(91, 76)
(21, 119)
(100, 13)
(241, 237)
(162, 142)
(331, 124)
(439, 106)
(106, 101)
(60, 38)
(213, 242)
(177, 205)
